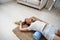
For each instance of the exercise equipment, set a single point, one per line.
(37, 35)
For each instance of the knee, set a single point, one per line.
(58, 38)
(58, 33)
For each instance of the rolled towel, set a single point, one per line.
(37, 35)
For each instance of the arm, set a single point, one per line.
(23, 29)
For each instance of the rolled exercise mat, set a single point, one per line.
(37, 35)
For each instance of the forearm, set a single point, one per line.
(23, 29)
(20, 26)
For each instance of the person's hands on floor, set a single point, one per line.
(18, 22)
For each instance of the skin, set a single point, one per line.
(58, 33)
(56, 38)
(29, 21)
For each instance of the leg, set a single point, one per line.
(58, 33)
(56, 38)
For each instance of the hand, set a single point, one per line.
(33, 19)
(20, 22)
